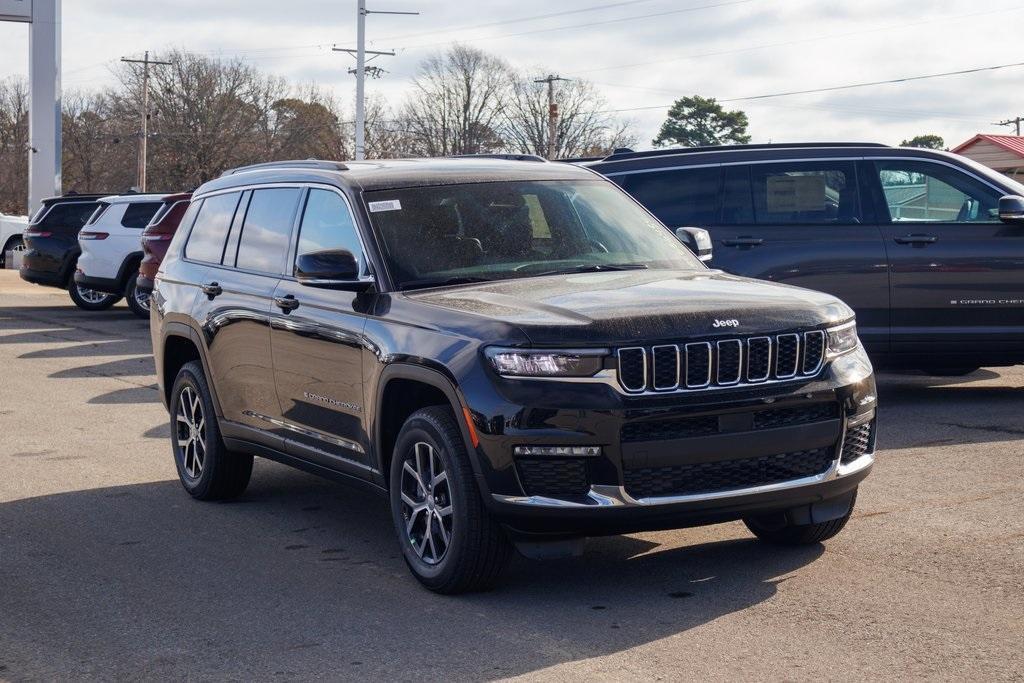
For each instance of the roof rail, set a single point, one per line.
(507, 157)
(296, 163)
(617, 156)
(577, 160)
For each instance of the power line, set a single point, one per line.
(1015, 122)
(834, 88)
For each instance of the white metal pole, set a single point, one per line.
(360, 81)
(44, 154)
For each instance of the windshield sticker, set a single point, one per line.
(390, 205)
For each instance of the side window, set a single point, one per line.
(805, 193)
(138, 215)
(69, 215)
(688, 197)
(327, 224)
(206, 241)
(100, 210)
(267, 230)
(737, 200)
(922, 192)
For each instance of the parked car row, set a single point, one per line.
(94, 245)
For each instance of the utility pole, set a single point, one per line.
(552, 112)
(1015, 122)
(360, 71)
(146, 62)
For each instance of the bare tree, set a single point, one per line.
(584, 127)
(456, 102)
(98, 150)
(13, 145)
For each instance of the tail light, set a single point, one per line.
(36, 233)
(157, 237)
(93, 235)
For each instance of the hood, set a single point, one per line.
(625, 307)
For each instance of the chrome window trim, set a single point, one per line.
(654, 367)
(706, 384)
(768, 369)
(739, 363)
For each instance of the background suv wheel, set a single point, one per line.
(90, 299)
(137, 299)
(448, 539)
(206, 468)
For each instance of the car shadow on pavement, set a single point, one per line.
(304, 578)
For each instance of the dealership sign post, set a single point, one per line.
(44, 89)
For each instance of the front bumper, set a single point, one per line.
(677, 461)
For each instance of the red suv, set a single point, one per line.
(157, 236)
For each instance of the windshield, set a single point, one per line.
(494, 231)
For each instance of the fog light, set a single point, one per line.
(557, 450)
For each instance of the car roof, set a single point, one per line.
(392, 174)
(75, 197)
(132, 198)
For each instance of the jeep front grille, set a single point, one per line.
(725, 363)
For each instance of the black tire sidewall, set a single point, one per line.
(421, 427)
(191, 375)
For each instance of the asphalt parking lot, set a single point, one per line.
(109, 570)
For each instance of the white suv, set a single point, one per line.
(111, 246)
(11, 228)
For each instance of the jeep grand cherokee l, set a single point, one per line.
(927, 247)
(516, 353)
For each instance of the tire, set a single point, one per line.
(206, 468)
(90, 300)
(770, 531)
(949, 372)
(477, 550)
(13, 244)
(137, 301)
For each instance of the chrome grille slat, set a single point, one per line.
(742, 361)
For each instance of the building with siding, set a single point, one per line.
(1003, 153)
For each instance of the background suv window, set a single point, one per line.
(68, 215)
(687, 197)
(206, 241)
(267, 230)
(138, 215)
(805, 193)
(327, 224)
(922, 192)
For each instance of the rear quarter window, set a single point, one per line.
(685, 197)
(68, 215)
(210, 231)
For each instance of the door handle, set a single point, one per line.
(211, 289)
(743, 242)
(286, 303)
(917, 239)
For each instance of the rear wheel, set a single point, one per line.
(448, 539)
(206, 468)
(14, 244)
(89, 299)
(776, 529)
(138, 300)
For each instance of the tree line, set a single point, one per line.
(209, 114)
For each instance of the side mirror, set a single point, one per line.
(1011, 209)
(697, 240)
(331, 269)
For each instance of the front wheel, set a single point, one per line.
(138, 299)
(776, 529)
(448, 539)
(89, 299)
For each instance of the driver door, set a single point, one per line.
(957, 272)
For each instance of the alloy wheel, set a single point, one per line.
(427, 504)
(90, 296)
(190, 426)
(141, 298)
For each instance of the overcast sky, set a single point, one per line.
(641, 53)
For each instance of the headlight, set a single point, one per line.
(526, 363)
(842, 339)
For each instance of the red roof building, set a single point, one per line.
(1003, 153)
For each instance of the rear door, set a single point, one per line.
(957, 270)
(317, 340)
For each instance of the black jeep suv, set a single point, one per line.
(927, 247)
(516, 352)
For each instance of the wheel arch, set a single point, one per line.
(403, 389)
(182, 344)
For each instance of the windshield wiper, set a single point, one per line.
(443, 282)
(592, 268)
